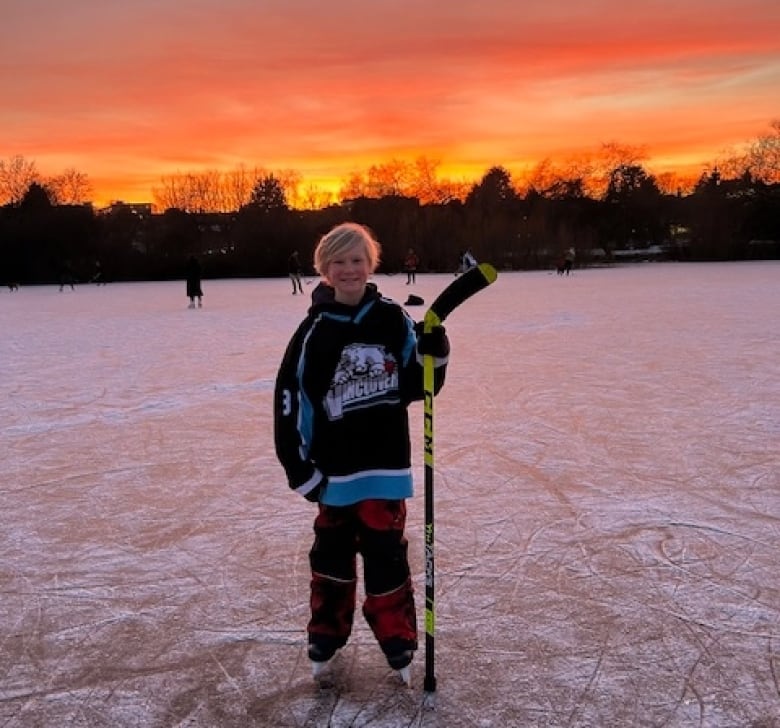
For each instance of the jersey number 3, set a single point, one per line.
(286, 403)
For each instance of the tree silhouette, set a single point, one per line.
(268, 195)
(70, 188)
(244, 223)
(16, 176)
(36, 199)
(633, 207)
(492, 214)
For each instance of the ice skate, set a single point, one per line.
(320, 660)
(319, 668)
(402, 664)
(405, 673)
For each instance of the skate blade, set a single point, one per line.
(405, 673)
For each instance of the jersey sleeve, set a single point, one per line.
(293, 416)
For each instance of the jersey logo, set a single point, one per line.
(366, 375)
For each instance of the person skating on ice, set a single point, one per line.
(411, 261)
(67, 277)
(194, 289)
(341, 433)
(296, 271)
(568, 260)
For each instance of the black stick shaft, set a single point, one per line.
(456, 293)
(429, 683)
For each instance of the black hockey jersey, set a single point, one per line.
(341, 398)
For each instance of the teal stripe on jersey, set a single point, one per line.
(344, 490)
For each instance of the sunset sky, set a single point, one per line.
(129, 92)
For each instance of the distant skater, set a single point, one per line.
(98, 278)
(568, 261)
(66, 277)
(296, 271)
(194, 289)
(410, 266)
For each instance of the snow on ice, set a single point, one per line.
(607, 509)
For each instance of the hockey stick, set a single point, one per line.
(462, 288)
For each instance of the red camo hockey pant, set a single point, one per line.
(375, 530)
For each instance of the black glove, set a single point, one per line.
(434, 343)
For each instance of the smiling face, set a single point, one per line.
(348, 273)
(345, 258)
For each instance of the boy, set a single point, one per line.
(342, 435)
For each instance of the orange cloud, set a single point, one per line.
(130, 92)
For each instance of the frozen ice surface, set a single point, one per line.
(607, 509)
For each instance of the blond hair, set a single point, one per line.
(343, 238)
